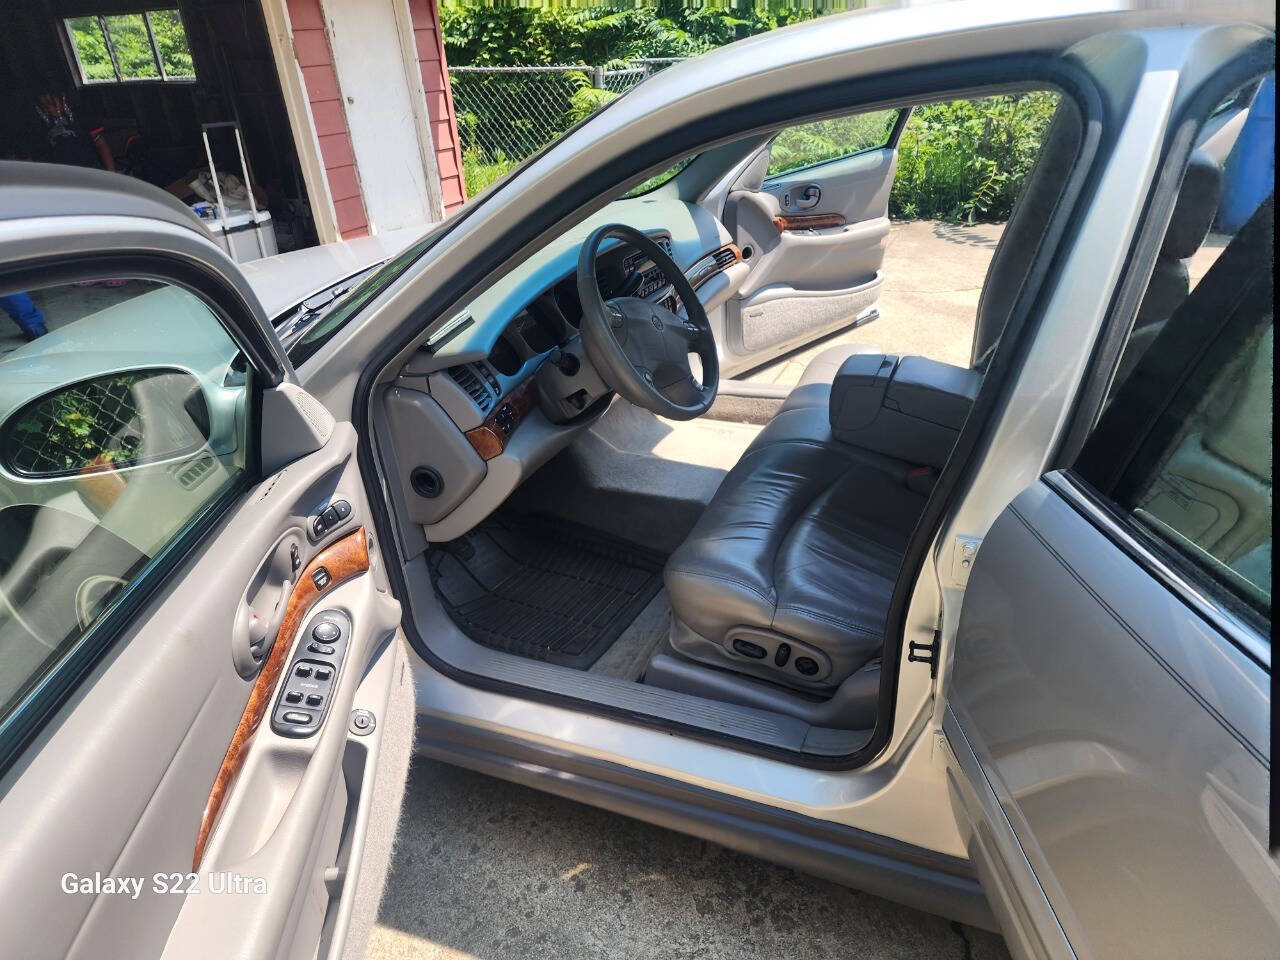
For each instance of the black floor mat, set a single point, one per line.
(543, 588)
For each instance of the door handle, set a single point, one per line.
(809, 197)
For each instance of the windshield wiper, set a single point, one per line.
(292, 327)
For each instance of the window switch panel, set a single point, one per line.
(305, 695)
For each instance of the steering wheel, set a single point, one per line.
(641, 349)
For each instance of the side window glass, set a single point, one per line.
(1207, 493)
(122, 416)
(1184, 442)
(809, 144)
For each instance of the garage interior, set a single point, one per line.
(152, 121)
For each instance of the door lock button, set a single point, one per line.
(362, 722)
(321, 648)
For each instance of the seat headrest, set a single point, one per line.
(1196, 207)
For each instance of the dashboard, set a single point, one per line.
(504, 384)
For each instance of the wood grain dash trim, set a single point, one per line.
(699, 274)
(490, 438)
(811, 221)
(342, 560)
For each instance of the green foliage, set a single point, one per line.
(77, 427)
(586, 100)
(128, 32)
(965, 160)
(484, 34)
(171, 41)
(962, 161)
(132, 46)
(91, 48)
(479, 170)
(822, 140)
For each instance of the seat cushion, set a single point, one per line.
(804, 539)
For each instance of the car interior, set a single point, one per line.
(593, 499)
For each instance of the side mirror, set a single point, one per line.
(110, 422)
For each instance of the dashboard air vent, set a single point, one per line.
(665, 244)
(465, 377)
(724, 257)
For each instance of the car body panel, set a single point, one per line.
(1138, 69)
(1124, 739)
(893, 799)
(285, 280)
(128, 803)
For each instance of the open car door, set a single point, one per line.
(815, 236)
(1109, 702)
(204, 700)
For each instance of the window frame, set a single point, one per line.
(162, 75)
(895, 135)
(1115, 492)
(1225, 609)
(61, 680)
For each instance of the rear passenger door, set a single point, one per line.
(1110, 697)
(198, 664)
(811, 217)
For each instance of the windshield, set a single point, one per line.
(340, 313)
(316, 331)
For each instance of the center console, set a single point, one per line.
(908, 408)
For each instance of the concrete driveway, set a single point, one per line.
(933, 278)
(485, 870)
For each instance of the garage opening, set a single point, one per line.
(161, 91)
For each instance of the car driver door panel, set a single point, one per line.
(178, 516)
(1113, 748)
(118, 784)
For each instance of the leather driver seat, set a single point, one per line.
(789, 571)
(788, 575)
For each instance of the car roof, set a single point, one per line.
(30, 190)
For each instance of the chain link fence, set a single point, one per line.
(505, 114)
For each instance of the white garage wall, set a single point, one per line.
(381, 111)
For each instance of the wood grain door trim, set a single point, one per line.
(810, 221)
(340, 561)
